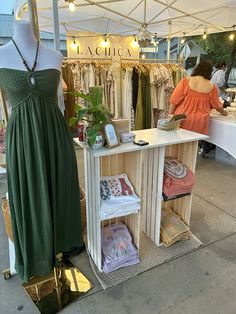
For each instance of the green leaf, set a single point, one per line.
(72, 121)
(80, 95)
(91, 135)
(95, 113)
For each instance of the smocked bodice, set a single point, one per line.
(20, 85)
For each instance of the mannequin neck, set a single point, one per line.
(23, 34)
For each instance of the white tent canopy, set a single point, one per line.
(172, 18)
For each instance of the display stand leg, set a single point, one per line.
(62, 286)
(57, 287)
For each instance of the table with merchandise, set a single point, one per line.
(222, 130)
(127, 184)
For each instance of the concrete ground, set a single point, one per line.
(203, 281)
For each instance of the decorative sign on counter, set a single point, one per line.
(111, 136)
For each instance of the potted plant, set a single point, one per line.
(94, 113)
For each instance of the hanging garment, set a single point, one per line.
(146, 101)
(61, 102)
(126, 90)
(68, 75)
(139, 108)
(42, 173)
(135, 87)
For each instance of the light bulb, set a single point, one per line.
(182, 40)
(74, 45)
(135, 43)
(155, 44)
(143, 56)
(71, 6)
(105, 43)
(231, 36)
(204, 35)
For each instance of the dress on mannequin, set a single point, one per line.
(41, 165)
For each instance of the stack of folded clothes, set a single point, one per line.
(117, 248)
(117, 197)
(178, 180)
(173, 228)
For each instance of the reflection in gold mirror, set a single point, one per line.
(53, 292)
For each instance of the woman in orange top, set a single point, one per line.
(196, 97)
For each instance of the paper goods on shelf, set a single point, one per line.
(173, 228)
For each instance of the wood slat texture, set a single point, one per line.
(145, 168)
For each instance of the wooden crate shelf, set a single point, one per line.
(144, 167)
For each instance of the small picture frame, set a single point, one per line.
(111, 136)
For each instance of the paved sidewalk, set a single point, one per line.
(199, 282)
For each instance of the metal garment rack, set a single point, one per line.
(123, 59)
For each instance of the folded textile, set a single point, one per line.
(117, 248)
(173, 229)
(109, 211)
(175, 168)
(173, 197)
(117, 192)
(178, 179)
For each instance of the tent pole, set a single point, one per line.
(168, 48)
(168, 42)
(56, 25)
(34, 17)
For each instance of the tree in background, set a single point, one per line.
(219, 48)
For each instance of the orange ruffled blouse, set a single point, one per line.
(196, 105)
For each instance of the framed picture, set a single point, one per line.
(111, 136)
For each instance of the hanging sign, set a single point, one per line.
(94, 46)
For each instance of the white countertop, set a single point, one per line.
(222, 132)
(230, 118)
(155, 137)
(231, 89)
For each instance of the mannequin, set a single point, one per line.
(41, 165)
(24, 37)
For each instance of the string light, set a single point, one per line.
(105, 43)
(74, 44)
(156, 42)
(183, 39)
(143, 56)
(71, 5)
(204, 36)
(135, 43)
(231, 36)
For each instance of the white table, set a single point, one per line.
(222, 132)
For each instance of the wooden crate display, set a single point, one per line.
(96, 167)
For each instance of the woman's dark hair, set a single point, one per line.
(204, 68)
(220, 65)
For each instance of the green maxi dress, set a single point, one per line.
(42, 172)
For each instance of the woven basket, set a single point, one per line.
(169, 127)
(7, 218)
(83, 207)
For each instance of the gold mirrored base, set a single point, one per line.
(53, 292)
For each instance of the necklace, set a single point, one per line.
(31, 77)
(23, 60)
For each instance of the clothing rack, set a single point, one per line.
(122, 67)
(121, 60)
(149, 60)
